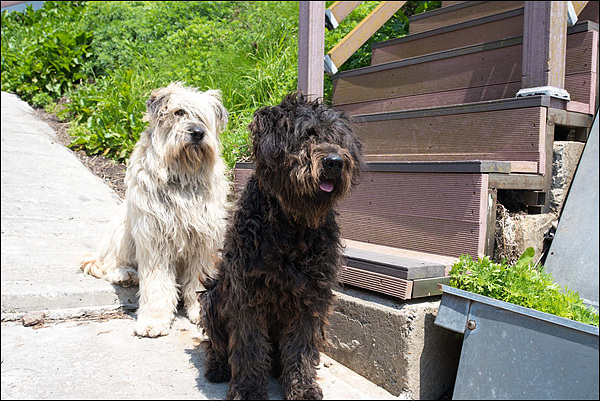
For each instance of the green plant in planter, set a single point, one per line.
(521, 284)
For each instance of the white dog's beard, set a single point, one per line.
(193, 157)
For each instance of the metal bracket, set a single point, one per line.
(330, 21)
(571, 14)
(545, 90)
(330, 67)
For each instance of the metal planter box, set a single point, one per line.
(512, 352)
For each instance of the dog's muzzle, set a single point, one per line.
(197, 134)
(332, 166)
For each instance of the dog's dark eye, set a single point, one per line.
(180, 113)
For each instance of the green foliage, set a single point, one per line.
(41, 62)
(100, 60)
(107, 117)
(521, 284)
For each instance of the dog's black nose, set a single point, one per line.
(333, 162)
(197, 133)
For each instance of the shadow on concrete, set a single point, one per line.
(128, 296)
(439, 360)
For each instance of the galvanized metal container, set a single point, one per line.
(512, 352)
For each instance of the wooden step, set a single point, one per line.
(432, 212)
(482, 30)
(404, 264)
(393, 286)
(419, 207)
(393, 271)
(469, 74)
(487, 29)
(457, 13)
(512, 130)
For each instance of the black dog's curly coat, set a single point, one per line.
(269, 305)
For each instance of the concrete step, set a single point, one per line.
(480, 72)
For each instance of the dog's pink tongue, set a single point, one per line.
(326, 186)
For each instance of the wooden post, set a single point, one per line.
(311, 48)
(544, 49)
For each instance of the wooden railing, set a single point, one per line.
(544, 42)
(360, 34)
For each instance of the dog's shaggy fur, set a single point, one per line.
(173, 218)
(269, 304)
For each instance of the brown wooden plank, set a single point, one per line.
(470, 75)
(437, 99)
(590, 12)
(523, 167)
(381, 283)
(241, 175)
(404, 253)
(476, 136)
(311, 34)
(469, 33)
(433, 213)
(471, 10)
(569, 119)
(516, 181)
(491, 220)
(544, 44)
(450, 3)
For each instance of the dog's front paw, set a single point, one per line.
(217, 374)
(193, 314)
(305, 392)
(235, 393)
(145, 328)
(124, 276)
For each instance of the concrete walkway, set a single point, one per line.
(54, 210)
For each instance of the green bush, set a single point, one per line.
(42, 61)
(521, 284)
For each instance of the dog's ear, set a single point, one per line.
(269, 128)
(155, 102)
(220, 110)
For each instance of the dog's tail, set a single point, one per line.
(91, 264)
(212, 321)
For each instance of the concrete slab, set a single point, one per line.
(54, 211)
(103, 360)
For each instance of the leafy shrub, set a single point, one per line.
(521, 284)
(41, 63)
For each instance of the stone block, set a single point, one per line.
(394, 343)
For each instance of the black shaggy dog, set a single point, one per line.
(267, 309)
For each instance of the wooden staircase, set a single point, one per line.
(443, 131)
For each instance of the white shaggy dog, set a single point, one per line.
(173, 217)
